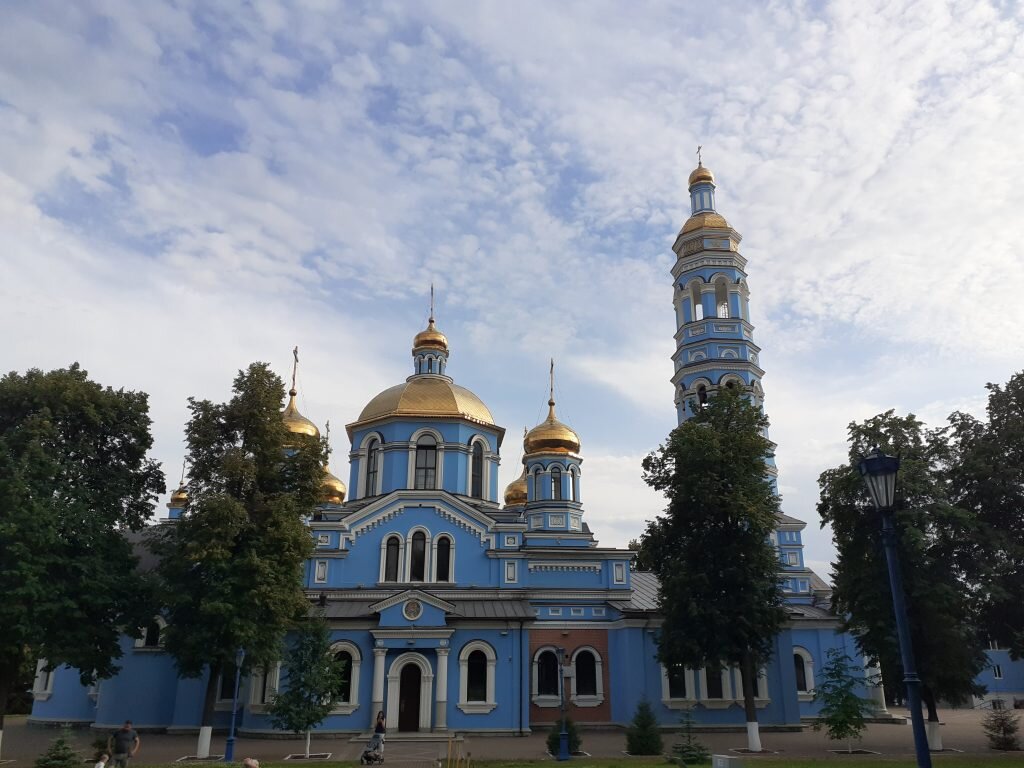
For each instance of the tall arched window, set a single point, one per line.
(476, 679)
(477, 662)
(536, 485)
(419, 556)
(152, 636)
(702, 395)
(677, 682)
(345, 689)
(695, 301)
(426, 463)
(801, 673)
(477, 483)
(547, 674)
(556, 483)
(586, 674)
(722, 297)
(391, 559)
(444, 559)
(574, 482)
(372, 459)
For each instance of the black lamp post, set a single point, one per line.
(229, 746)
(563, 737)
(879, 472)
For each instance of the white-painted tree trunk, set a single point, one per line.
(203, 747)
(934, 732)
(1, 742)
(308, 734)
(753, 737)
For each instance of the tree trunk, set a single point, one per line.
(749, 670)
(308, 734)
(209, 704)
(932, 726)
(7, 674)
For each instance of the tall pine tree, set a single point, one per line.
(719, 585)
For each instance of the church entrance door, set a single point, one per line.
(409, 698)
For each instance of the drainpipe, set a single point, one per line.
(519, 695)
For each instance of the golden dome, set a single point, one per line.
(429, 396)
(332, 490)
(551, 436)
(430, 338)
(179, 497)
(515, 492)
(706, 219)
(295, 422)
(700, 173)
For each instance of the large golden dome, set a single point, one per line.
(430, 338)
(700, 173)
(332, 489)
(705, 219)
(515, 492)
(179, 497)
(551, 436)
(430, 396)
(295, 422)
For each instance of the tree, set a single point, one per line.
(315, 681)
(231, 567)
(555, 736)
(74, 482)
(1001, 726)
(842, 712)
(689, 751)
(643, 736)
(59, 755)
(719, 588)
(933, 543)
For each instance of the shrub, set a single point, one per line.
(59, 755)
(575, 741)
(643, 736)
(1001, 726)
(689, 751)
(842, 711)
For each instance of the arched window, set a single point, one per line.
(702, 395)
(477, 484)
(586, 674)
(722, 297)
(392, 549)
(476, 677)
(477, 662)
(803, 666)
(536, 484)
(426, 463)
(713, 688)
(677, 682)
(695, 301)
(444, 559)
(345, 689)
(547, 674)
(418, 556)
(556, 483)
(348, 693)
(574, 485)
(372, 460)
(152, 637)
(263, 683)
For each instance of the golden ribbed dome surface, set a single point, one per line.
(515, 492)
(551, 436)
(706, 219)
(431, 396)
(700, 173)
(295, 422)
(332, 489)
(430, 338)
(180, 496)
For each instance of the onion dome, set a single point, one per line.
(515, 492)
(179, 498)
(430, 338)
(294, 421)
(699, 174)
(704, 219)
(332, 490)
(433, 397)
(551, 436)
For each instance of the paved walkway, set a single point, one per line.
(961, 731)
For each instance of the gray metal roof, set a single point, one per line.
(787, 520)
(466, 609)
(644, 596)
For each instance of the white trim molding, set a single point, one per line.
(394, 684)
(588, 700)
(352, 704)
(476, 707)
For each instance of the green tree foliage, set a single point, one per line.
(1001, 727)
(689, 751)
(643, 737)
(843, 710)
(719, 594)
(314, 681)
(74, 481)
(59, 755)
(231, 568)
(555, 735)
(933, 535)
(984, 469)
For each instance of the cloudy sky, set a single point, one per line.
(186, 187)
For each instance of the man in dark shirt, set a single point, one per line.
(123, 744)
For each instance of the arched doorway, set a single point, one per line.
(410, 687)
(409, 698)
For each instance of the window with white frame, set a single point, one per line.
(348, 695)
(715, 685)
(511, 541)
(417, 556)
(426, 463)
(791, 558)
(575, 611)
(510, 571)
(476, 486)
(323, 539)
(574, 484)
(760, 685)
(444, 548)
(263, 685)
(587, 682)
(391, 558)
(226, 684)
(371, 476)
(477, 662)
(599, 611)
(545, 678)
(152, 638)
(556, 483)
(803, 667)
(677, 686)
(997, 672)
(320, 572)
(620, 573)
(554, 611)
(42, 685)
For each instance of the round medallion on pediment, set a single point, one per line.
(412, 609)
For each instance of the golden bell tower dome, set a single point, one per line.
(294, 421)
(699, 174)
(515, 492)
(179, 497)
(332, 489)
(551, 435)
(430, 338)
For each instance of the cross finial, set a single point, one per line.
(431, 302)
(327, 432)
(551, 398)
(183, 465)
(699, 148)
(295, 365)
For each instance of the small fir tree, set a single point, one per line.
(555, 734)
(689, 751)
(842, 712)
(59, 755)
(643, 736)
(315, 681)
(1001, 726)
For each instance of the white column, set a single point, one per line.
(378, 684)
(441, 688)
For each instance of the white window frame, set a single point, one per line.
(555, 611)
(511, 541)
(808, 660)
(350, 706)
(727, 690)
(575, 611)
(599, 611)
(42, 684)
(384, 557)
(997, 672)
(140, 642)
(427, 551)
(485, 475)
(588, 700)
(511, 572)
(547, 700)
(273, 678)
(318, 576)
(439, 467)
(792, 558)
(432, 573)
(619, 573)
(476, 707)
(666, 690)
(364, 465)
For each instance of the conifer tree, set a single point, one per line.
(1001, 726)
(643, 736)
(59, 754)
(719, 588)
(555, 735)
(231, 567)
(689, 751)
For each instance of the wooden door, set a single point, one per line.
(409, 698)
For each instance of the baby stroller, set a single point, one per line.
(374, 752)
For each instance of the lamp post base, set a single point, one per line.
(563, 743)
(229, 749)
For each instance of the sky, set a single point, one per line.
(187, 187)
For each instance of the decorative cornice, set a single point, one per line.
(562, 566)
(412, 594)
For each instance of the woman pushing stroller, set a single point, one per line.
(374, 752)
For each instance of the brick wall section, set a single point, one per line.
(577, 638)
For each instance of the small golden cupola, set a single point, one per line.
(332, 489)
(294, 421)
(430, 337)
(551, 435)
(179, 498)
(702, 200)
(515, 492)
(430, 347)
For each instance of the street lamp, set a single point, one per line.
(229, 746)
(879, 472)
(563, 737)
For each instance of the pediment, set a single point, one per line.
(412, 594)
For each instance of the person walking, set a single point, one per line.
(379, 729)
(123, 744)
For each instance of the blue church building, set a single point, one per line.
(464, 607)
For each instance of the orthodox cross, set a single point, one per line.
(552, 389)
(327, 433)
(431, 302)
(295, 365)
(699, 148)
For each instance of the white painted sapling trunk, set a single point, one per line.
(753, 737)
(308, 734)
(1, 742)
(934, 732)
(203, 747)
